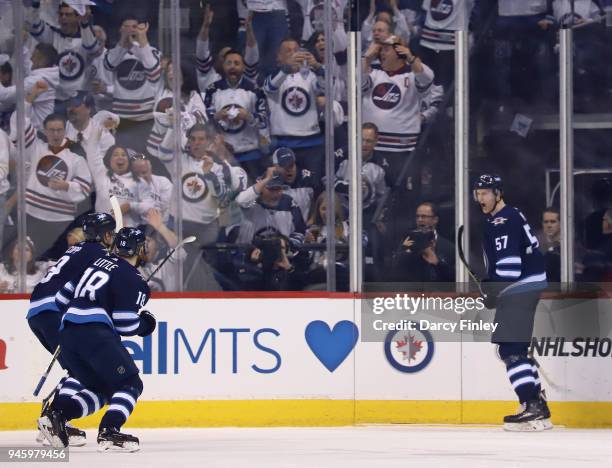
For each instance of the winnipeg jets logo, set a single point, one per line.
(71, 66)
(409, 351)
(296, 101)
(386, 95)
(234, 124)
(49, 167)
(194, 187)
(499, 220)
(131, 74)
(441, 9)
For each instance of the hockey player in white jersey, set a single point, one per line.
(74, 41)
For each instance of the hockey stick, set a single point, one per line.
(186, 240)
(477, 280)
(117, 214)
(43, 379)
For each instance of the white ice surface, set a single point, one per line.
(355, 447)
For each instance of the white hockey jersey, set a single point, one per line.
(292, 103)
(443, 18)
(136, 80)
(43, 202)
(75, 53)
(123, 186)
(242, 135)
(156, 193)
(393, 103)
(372, 178)
(202, 193)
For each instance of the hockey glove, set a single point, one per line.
(147, 323)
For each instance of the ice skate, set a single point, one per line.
(534, 416)
(53, 427)
(76, 437)
(110, 439)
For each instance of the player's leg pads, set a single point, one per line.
(520, 374)
(122, 403)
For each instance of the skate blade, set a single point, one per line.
(43, 425)
(108, 446)
(538, 425)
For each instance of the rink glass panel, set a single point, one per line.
(513, 131)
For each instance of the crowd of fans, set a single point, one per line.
(250, 173)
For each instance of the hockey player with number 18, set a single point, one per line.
(516, 277)
(104, 305)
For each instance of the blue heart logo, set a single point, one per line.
(331, 347)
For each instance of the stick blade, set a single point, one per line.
(114, 202)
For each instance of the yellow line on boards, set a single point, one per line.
(270, 413)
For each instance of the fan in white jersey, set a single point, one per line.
(292, 91)
(316, 45)
(154, 191)
(160, 238)
(192, 108)
(9, 268)
(393, 17)
(44, 76)
(136, 70)
(83, 119)
(240, 110)
(113, 176)
(74, 41)
(208, 69)
(392, 97)
(99, 79)
(58, 180)
(203, 188)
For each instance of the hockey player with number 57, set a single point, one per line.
(516, 277)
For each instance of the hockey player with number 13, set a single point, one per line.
(515, 278)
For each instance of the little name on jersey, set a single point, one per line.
(105, 264)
